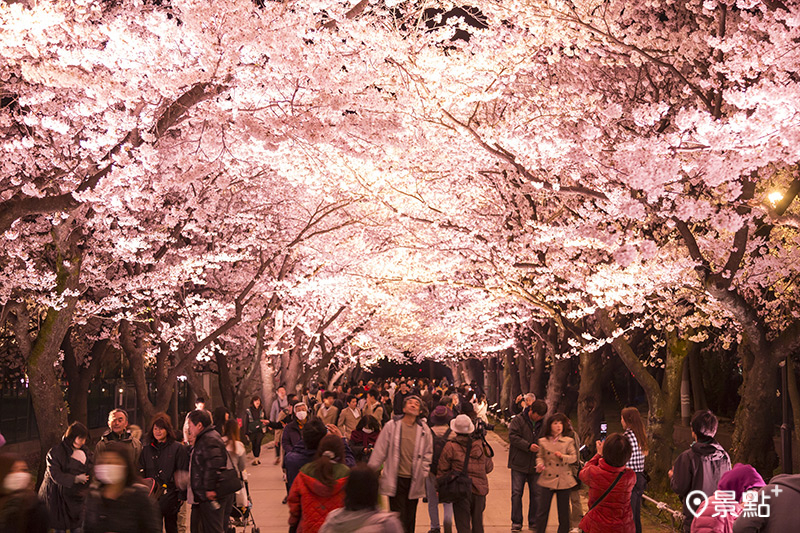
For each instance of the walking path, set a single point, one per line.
(267, 491)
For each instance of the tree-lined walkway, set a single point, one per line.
(267, 491)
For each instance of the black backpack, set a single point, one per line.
(456, 485)
(438, 446)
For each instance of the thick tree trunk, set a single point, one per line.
(590, 397)
(752, 441)
(696, 376)
(507, 393)
(226, 387)
(490, 386)
(794, 397)
(557, 401)
(539, 366)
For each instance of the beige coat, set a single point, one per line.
(375, 411)
(557, 474)
(348, 421)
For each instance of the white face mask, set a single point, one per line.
(17, 481)
(367, 431)
(301, 415)
(110, 474)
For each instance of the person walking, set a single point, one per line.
(404, 449)
(326, 411)
(440, 428)
(66, 479)
(556, 453)
(20, 510)
(373, 406)
(207, 459)
(468, 512)
(255, 426)
(363, 438)
(481, 408)
(360, 513)
(634, 431)
(279, 411)
(319, 487)
(349, 416)
(162, 459)
(523, 436)
(118, 432)
(701, 466)
(120, 504)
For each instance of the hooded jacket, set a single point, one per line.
(208, 458)
(299, 456)
(387, 453)
(65, 499)
(614, 512)
(364, 521)
(783, 507)
(453, 457)
(699, 468)
(310, 500)
(522, 432)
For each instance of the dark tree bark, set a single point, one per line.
(590, 397)
(80, 377)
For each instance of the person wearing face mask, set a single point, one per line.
(119, 504)
(363, 438)
(164, 459)
(20, 510)
(278, 412)
(66, 479)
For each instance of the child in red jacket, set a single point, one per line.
(613, 512)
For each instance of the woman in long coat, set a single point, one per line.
(66, 479)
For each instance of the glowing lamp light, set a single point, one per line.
(774, 197)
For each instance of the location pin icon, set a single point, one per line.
(696, 502)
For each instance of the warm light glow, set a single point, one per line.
(774, 197)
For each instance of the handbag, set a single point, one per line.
(456, 485)
(228, 480)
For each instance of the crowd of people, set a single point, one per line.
(407, 440)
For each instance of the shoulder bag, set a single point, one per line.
(456, 484)
(228, 480)
(606, 493)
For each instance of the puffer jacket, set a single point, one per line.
(310, 500)
(208, 458)
(480, 464)
(387, 453)
(365, 521)
(699, 468)
(160, 461)
(614, 512)
(783, 507)
(131, 512)
(557, 474)
(62, 497)
(522, 432)
(706, 522)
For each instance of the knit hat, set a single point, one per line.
(740, 479)
(439, 416)
(462, 425)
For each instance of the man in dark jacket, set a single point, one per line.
(701, 466)
(304, 451)
(523, 434)
(399, 398)
(118, 432)
(207, 460)
(783, 497)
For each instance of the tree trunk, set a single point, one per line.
(507, 393)
(696, 376)
(80, 376)
(557, 386)
(539, 366)
(590, 397)
(752, 442)
(794, 397)
(490, 381)
(226, 387)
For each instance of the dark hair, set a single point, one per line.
(633, 419)
(539, 407)
(163, 421)
(556, 417)
(75, 430)
(704, 424)
(219, 417)
(253, 401)
(373, 393)
(368, 421)
(200, 417)
(617, 450)
(328, 394)
(361, 491)
(323, 464)
(199, 399)
(468, 409)
(231, 430)
(126, 453)
(313, 432)
(350, 399)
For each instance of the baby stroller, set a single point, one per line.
(241, 519)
